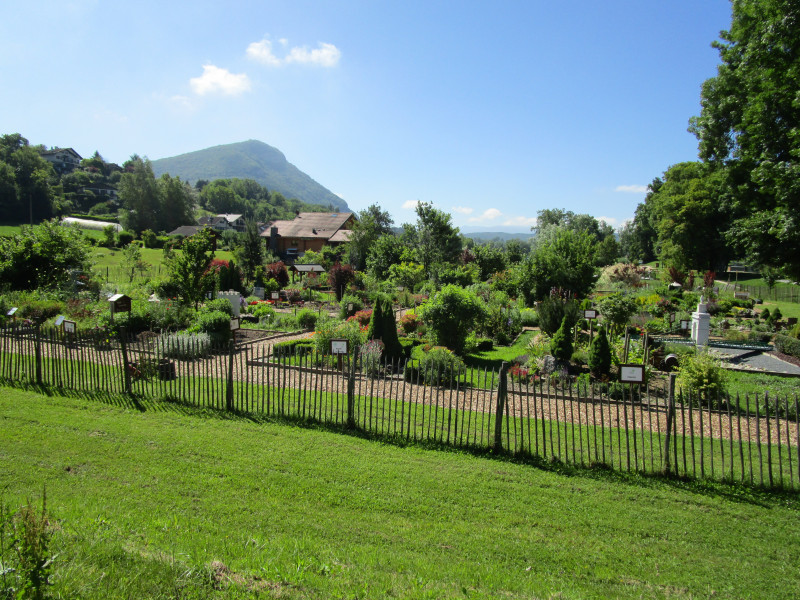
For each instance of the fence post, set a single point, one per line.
(670, 420)
(229, 383)
(126, 368)
(37, 343)
(351, 390)
(502, 393)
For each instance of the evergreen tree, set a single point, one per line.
(600, 355)
(561, 344)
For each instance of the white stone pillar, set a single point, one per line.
(235, 298)
(701, 324)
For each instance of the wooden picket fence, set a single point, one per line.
(750, 439)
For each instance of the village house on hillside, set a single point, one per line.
(223, 221)
(308, 231)
(64, 160)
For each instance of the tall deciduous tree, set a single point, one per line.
(138, 193)
(189, 267)
(748, 128)
(435, 238)
(372, 223)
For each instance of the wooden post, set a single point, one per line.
(670, 421)
(502, 393)
(126, 369)
(37, 341)
(351, 391)
(229, 383)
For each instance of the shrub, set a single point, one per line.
(561, 344)
(277, 271)
(529, 317)
(219, 304)
(701, 373)
(409, 323)
(370, 355)
(307, 318)
(262, 311)
(440, 366)
(184, 346)
(293, 348)
(150, 239)
(787, 345)
(618, 309)
(363, 317)
(600, 355)
(331, 330)
(552, 312)
(350, 304)
(216, 324)
(124, 238)
(340, 277)
(450, 315)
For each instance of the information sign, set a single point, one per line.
(631, 373)
(339, 347)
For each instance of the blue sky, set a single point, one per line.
(490, 110)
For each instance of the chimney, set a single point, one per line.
(273, 238)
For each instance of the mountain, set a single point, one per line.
(250, 160)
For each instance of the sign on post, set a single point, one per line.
(12, 312)
(69, 327)
(235, 324)
(339, 347)
(276, 296)
(631, 373)
(590, 314)
(684, 324)
(59, 320)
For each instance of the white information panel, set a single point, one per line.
(339, 347)
(631, 373)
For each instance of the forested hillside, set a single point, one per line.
(250, 160)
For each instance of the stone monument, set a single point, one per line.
(701, 324)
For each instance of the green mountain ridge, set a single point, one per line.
(249, 160)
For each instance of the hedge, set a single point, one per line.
(787, 345)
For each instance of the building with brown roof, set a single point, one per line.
(308, 231)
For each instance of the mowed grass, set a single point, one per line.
(150, 500)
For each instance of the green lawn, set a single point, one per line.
(146, 497)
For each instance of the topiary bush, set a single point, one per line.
(561, 344)
(440, 366)
(552, 311)
(600, 355)
(219, 304)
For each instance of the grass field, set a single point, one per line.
(150, 500)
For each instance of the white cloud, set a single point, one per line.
(520, 222)
(325, 55)
(631, 189)
(215, 79)
(609, 220)
(462, 210)
(262, 52)
(488, 215)
(410, 204)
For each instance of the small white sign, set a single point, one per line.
(60, 320)
(276, 295)
(69, 326)
(684, 324)
(590, 314)
(631, 373)
(671, 317)
(11, 312)
(339, 347)
(235, 325)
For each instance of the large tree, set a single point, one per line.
(30, 198)
(748, 128)
(139, 195)
(434, 237)
(371, 224)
